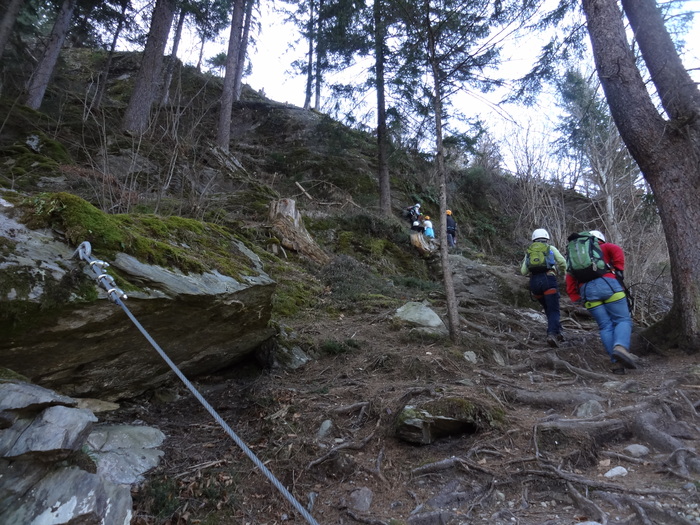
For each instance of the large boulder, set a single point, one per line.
(61, 331)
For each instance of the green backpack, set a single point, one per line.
(584, 257)
(539, 257)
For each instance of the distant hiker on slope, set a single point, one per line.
(595, 279)
(428, 228)
(542, 262)
(412, 213)
(451, 226)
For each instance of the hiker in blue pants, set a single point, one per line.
(604, 297)
(541, 263)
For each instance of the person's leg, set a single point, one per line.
(551, 309)
(605, 328)
(622, 322)
(548, 297)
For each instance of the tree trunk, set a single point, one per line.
(243, 51)
(310, 61)
(39, 81)
(200, 56)
(172, 59)
(104, 75)
(382, 139)
(320, 53)
(667, 151)
(223, 135)
(138, 112)
(450, 296)
(8, 21)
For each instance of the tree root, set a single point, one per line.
(683, 463)
(646, 513)
(557, 363)
(590, 509)
(449, 463)
(623, 457)
(551, 399)
(555, 472)
(646, 426)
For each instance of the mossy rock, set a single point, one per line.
(448, 416)
(10, 375)
(171, 242)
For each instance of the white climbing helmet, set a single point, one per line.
(598, 235)
(417, 205)
(540, 233)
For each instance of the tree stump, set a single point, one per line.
(422, 244)
(288, 226)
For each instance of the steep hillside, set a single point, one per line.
(384, 423)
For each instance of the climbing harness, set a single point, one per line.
(106, 281)
(614, 297)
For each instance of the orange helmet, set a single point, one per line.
(427, 218)
(449, 212)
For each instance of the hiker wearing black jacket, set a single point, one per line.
(451, 226)
(542, 262)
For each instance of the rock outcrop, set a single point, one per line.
(57, 468)
(60, 333)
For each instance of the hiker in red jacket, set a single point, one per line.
(605, 299)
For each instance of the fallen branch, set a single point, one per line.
(305, 192)
(629, 459)
(453, 462)
(377, 471)
(350, 408)
(200, 467)
(364, 519)
(332, 452)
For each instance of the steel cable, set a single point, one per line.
(116, 295)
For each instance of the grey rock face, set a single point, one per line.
(56, 431)
(90, 348)
(47, 461)
(124, 452)
(63, 496)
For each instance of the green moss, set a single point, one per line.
(10, 375)
(293, 295)
(331, 347)
(483, 417)
(186, 244)
(296, 290)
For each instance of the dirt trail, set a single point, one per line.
(545, 464)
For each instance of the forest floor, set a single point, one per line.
(546, 463)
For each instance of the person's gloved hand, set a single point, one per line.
(620, 276)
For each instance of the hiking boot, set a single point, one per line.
(560, 338)
(619, 371)
(552, 341)
(626, 359)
